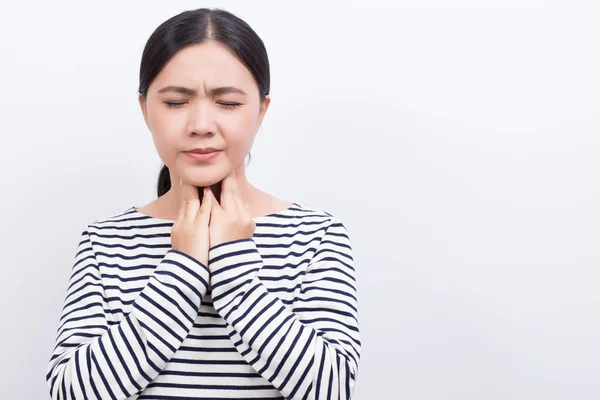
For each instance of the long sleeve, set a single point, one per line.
(93, 359)
(310, 350)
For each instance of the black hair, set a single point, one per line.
(195, 27)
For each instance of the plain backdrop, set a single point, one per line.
(458, 140)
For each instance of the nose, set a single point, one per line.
(201, 119)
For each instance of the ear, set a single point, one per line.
(263, 110)
(144, 109)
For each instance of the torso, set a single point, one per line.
(209, 356)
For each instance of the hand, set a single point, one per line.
(190, 232)
(230, 220)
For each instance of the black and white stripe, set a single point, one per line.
(276, 318)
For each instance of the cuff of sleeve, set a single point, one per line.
(233, 265)
(188, 269)
(229, 254)
(182, 279)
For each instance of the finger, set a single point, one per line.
(203, 215)
(181, 211)
(190, 201)
(228, 193)
(239, 205)
(242, 211)
(215, 206)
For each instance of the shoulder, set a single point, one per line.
(126, 219)
(333, 238)
(297, 215)
(326, 219)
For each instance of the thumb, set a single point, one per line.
(215, 209)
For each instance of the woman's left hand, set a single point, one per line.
(229, 219)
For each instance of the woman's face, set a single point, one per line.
(203, 97)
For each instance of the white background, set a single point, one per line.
(458, 140)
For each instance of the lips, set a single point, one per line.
(202, 151)
(203, 156)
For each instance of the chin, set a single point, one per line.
(206, 175)
(203, 181)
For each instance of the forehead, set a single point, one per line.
(209, 63)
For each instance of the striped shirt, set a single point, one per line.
(275, 317)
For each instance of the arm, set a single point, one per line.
(310, 350)
(95, 360)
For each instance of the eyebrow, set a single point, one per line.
(213, 92)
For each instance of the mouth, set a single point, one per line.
(203, 150)
(204, 155)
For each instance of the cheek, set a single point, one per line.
(164, 131)
(238, 132)
(165, 123)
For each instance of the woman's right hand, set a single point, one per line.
(190, 231)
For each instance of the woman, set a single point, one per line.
(215, 290)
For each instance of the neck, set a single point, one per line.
(172, 199)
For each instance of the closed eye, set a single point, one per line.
(171, 104)
(229, 106)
